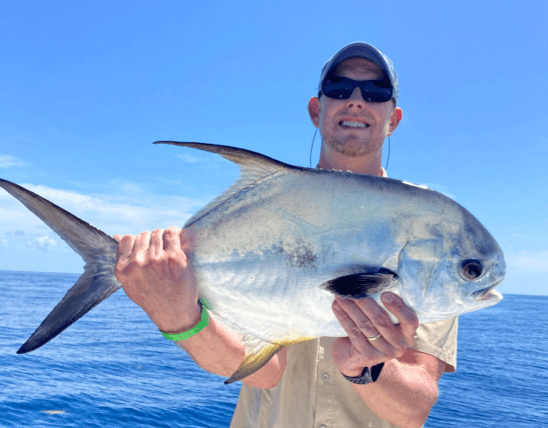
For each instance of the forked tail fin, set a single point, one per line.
(96, 248)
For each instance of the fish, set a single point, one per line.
(273, 250)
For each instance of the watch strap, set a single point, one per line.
(369, 375)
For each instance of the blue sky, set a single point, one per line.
(86, 87)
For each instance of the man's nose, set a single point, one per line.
(356, 99)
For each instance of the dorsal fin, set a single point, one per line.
(253, 167)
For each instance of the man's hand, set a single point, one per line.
(156, 274)
(364, 318)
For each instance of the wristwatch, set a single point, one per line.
(369, 375)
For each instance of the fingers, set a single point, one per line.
(125, 247)
(172, 239)
(155, 244)
(149, 245)
(134, 251)
(363, 320)
(356, 336)
(354, 319)
(409, 321)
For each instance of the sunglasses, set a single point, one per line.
(341, 88)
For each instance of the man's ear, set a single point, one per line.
(395, 119)
(314, 108)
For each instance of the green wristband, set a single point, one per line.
(204, 321)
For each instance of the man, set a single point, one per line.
(381, 375)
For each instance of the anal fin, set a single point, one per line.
(254, 362)
(258, 354)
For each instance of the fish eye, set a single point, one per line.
(471, 269)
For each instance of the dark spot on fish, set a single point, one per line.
(299, 255)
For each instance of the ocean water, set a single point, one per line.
(112, 368)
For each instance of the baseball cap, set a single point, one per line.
(367, 51)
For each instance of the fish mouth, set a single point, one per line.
(487, 292)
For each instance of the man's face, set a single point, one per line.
(355, 127)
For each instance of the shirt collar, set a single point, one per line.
(383, 171)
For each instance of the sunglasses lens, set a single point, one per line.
(338, 89)
(372, 90)
(376, 92)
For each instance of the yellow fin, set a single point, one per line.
(264, 351)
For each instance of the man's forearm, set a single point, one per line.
(157, 275)
(218, 350)
(403, 394)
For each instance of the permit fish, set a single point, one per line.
(274, 249)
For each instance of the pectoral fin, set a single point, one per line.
(361, 285)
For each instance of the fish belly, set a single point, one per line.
(261, 259)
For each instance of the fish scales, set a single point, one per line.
(306, 228)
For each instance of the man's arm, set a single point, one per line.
(219, 351)
(406, 389)
(155, 273)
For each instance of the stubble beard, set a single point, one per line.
(352, 148)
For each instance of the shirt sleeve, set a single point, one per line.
(439, 339)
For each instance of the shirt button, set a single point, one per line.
(325, 378)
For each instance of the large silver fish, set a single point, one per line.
(271, 252)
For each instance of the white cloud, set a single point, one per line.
(189, 158)
(9, 161)
(45, 243)
(131, 211)
(530, 262)
(26, 243)
(444, 190)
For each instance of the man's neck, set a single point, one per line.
(371, 164)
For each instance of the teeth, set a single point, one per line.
(351, 124)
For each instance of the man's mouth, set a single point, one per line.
(353, 124)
